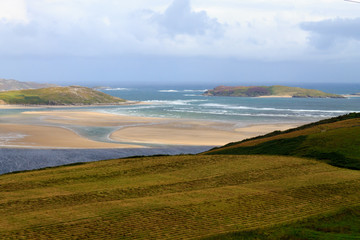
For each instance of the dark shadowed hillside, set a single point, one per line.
(335, 141)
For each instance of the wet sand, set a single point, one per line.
(32, 136)
(128, 129)
(193, 133)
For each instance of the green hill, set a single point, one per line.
(11, 84)
(73, 95)
(342, 224)
(258, 91)
(335, 141)
(172, 197)
(221, 195)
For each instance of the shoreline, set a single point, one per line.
(14, 159)
(23, 106)
(75, 129)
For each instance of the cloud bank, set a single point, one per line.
(179, 18)
(263, 30)
(325, 34)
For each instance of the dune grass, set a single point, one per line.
(171, 197)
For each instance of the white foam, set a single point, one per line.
(234, 107)
(175, 102)
(168, 91)
(118, 89)
(190, 90)
(227, 113)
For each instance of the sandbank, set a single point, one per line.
(351, 95)
(276, 96)
(129, 131)
(33, 136)
(198, 133)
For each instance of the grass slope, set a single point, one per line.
(335, 141)
(343, 224)
(178, 197)
(73, 95)
(277, 90)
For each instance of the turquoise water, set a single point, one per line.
(189, 103)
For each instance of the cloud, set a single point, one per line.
(13, 11)
(328, 33)
(242, 29)
(179, 18)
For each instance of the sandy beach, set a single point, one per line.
(53, 129)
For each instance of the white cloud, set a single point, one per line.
(229, 28)
(179, 18)
(13, 11)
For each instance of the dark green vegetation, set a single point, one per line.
(10, 84)
(335, 141)
(258, 91)
(343, 224)
(73, 95)
(171, 197)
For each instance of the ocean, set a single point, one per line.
(185, 102)
(181, 102)
(189, 103)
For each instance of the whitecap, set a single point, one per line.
(118, 89)
(168, 91)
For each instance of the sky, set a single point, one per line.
(180, 42)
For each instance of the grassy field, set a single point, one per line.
(342, 224)
(178, 197)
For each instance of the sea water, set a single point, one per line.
(185, 102)
(181, 102)
(190, 103)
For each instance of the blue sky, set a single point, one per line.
(177, 42)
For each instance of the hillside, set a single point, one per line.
(335, 141)
(274, 91)
(73, 95)
(11, 84)
(172, 197)
(342, 224)
(222, 194)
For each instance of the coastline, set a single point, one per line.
(59, 129)
(48, 140)
(276, 96)
(23, 106)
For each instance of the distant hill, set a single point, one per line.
(11, 84)
(73, 95)
(335, 141)
(272, 91)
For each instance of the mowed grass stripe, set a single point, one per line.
(178, 197)
(230, 179)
